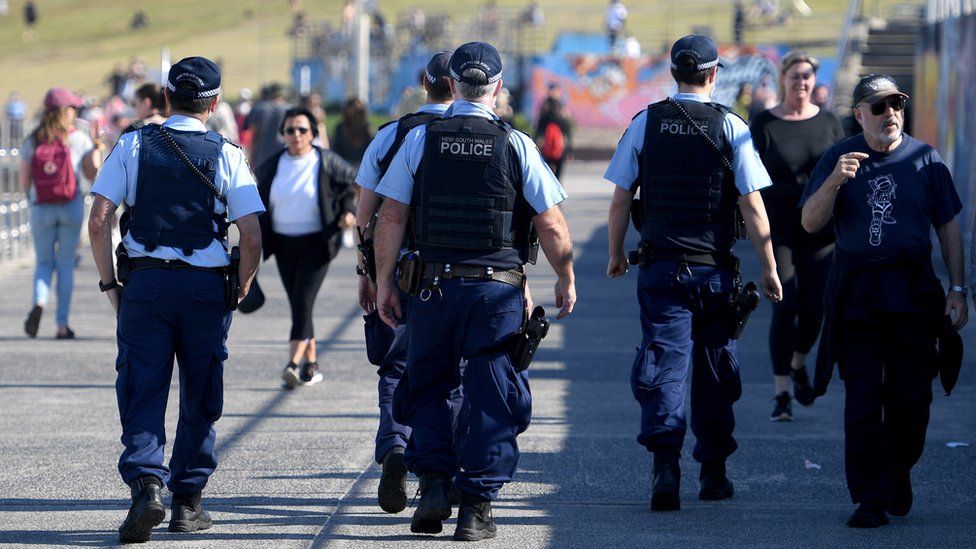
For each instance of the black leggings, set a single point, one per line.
(802, 265)
(303, 262)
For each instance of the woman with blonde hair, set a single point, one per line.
(55, 157)
(790, 138)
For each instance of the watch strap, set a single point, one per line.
(961, 289)
(110, 286)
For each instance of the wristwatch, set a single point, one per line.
(961, 289)
(110, 286)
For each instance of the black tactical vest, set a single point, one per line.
(173, 206)
(467, 204)
(404, 125)
(688, 194)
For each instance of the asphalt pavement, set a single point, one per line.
(297, 467)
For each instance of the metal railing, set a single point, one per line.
(15, 237)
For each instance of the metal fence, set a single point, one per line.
(15, 238)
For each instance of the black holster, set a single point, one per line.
(744, 302)
(232, 280)
(122, 264)
(526, 341)
(368, 252)
(409, 271)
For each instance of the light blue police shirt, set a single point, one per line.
(750, 174)
(369, 171)
(116, 181)
(539, 186)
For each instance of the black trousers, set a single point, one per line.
(802, 266)
(886, 362)
(303, 262)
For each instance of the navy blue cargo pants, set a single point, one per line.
(462, 320)
(167, 314)
(685, 323)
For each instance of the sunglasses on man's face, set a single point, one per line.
(293, 130)
(896, 102)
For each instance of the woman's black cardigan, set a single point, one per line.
(336, 192)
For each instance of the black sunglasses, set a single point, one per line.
(896, 102)
(293, 130)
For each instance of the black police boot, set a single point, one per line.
(901, 494)
(870, 514)
(474, 519)
(146, 512)
(188, 514)
(802, 390)
(713, 482)
(392, 493)
(434, 507)
(666, 482)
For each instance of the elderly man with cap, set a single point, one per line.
(386, 347)
(181, 186)
(884, 303)
(473, 188)
(695, 166)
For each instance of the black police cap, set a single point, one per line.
(476, 55)
(194, 78)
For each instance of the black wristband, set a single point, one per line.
(110, 286)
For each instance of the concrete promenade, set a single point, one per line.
(297, 467)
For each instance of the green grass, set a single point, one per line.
(79, 41)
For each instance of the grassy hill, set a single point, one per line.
(79, 41)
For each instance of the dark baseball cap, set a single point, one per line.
(875, 87)
(438, 66)
(194, 78)
(476, 55)
(701, 49)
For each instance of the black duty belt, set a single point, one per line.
(645, 255)
(448, 271)
(143, 263)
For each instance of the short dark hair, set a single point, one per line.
(439, 90)
(696, 78)
(153, 93)
(196, 106)
(299, 111)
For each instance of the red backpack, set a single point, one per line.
(53, 173)
(553, 144)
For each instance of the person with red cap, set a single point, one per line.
(55, 157)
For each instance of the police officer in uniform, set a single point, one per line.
(386, 345)
(694, 163)
(174, 302)
(472, 188)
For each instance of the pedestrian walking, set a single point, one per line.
(884, 303)
(149, 106)
(474, 189)
(554, 134)
(352, 135)
(790, 139)
(263, 121)
(387, 347)
(310, 201)
(55, 158)
(695, 165)
(182, 186)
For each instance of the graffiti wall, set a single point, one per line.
(944, 96)
(607, 91)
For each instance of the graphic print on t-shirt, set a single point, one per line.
(881, 202)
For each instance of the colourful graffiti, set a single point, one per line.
(607, 91)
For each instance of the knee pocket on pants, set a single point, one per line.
(519, 399)
(728, 374)
(214, 402)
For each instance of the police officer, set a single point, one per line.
(385, 345)
(694, 162)
(174, 303)
(473, 187)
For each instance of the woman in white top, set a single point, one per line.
(310, 199)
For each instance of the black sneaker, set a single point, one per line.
(869, 514)
(901, 494)
(33, 321)
(713, 483)
(782, 411)
(392, 493)
(146, 512)
(290, 376)
(188, 514)
(802, 390)
(434, 507)
(311, 374)
(474, 520)
(666, 482)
